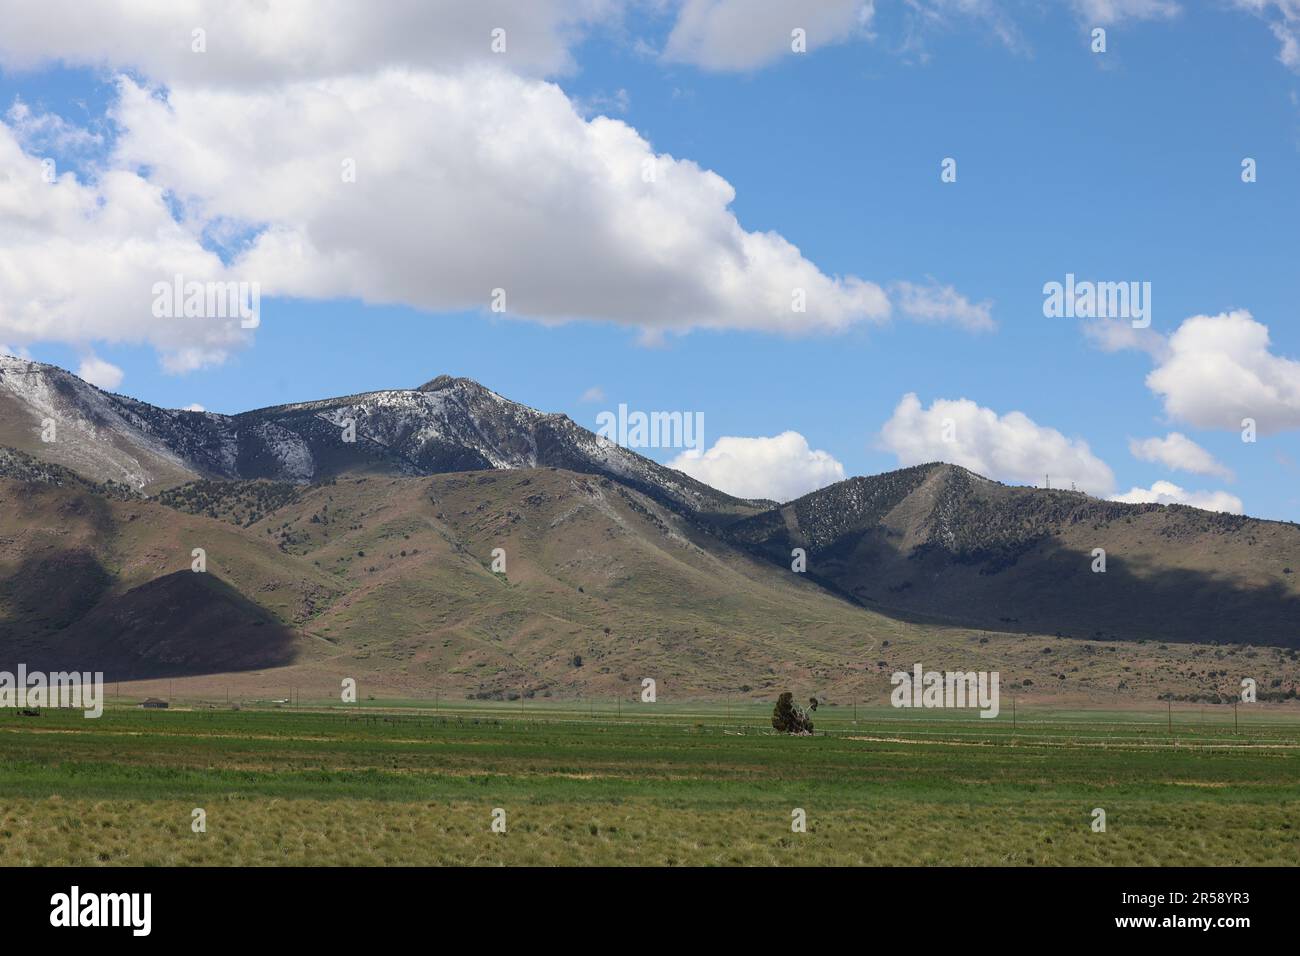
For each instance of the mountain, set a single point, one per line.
(938, 542)
(390, 580)
(102, 437)
(373, 559)
(446, 425)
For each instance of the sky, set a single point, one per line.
(652, 185)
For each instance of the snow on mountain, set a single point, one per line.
(448, 424)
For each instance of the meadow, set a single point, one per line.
(398, 783)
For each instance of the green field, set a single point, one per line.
(398, 783)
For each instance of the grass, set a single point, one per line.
(396, 783)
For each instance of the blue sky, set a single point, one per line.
(1117, 166)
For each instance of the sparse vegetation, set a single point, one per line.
(243, 503)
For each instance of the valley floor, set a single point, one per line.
(397, 783)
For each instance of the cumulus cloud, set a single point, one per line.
(942, 304)
(593, 394)
(469, 183)
(1179, 452)
(1168, 493)
(464, 183)
(472, 174)
(251, 42)
(1220, 370)
(780, 468)
(747, 34)
(78, 261)
(1010, 447)
(99, 373)
(194, 407)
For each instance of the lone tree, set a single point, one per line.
(787, 718)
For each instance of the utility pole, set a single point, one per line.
(1169, 705)
(1013, 715)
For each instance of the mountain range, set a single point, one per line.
(357, 534)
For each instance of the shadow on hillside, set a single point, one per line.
(1041, 587)
(179, 625)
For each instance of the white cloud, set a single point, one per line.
(1168, 493)
(1220, 370)
(99, 373)
(747, 34)
(593, 394)
(780, 468)
(78, 261)
(1179, 452)
(469, 183)
(454, 149)
(194, 407)
(942, 304)
(252, 43)
(1010, 447)
(1105, 12)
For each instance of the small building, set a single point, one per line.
(154, 703)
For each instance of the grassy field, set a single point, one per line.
(397, 783)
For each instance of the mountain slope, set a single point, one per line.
(940, 542)
(390, 581)
(92, 581)
(100, 436)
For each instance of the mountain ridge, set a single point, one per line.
(927, 543)
(458, 387)
(447, 424)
